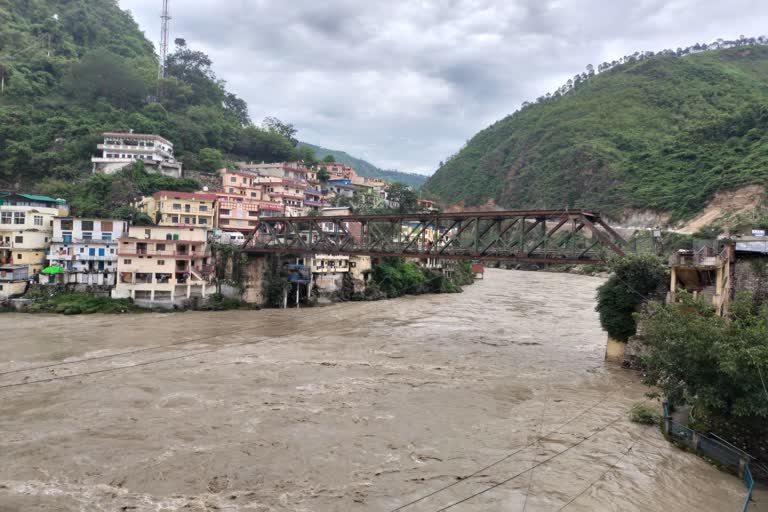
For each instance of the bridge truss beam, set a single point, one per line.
(535, 236)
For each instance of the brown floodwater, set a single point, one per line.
(371, 406)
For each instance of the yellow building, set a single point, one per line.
(169, 208)
(164, 265)
(26, 228)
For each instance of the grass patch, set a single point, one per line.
(83, 304)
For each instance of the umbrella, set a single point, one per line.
(55, 269)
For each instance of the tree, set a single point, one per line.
(329, 159)
(210, 159)
(275, 125)
(103, 74)
(323, 174)
(634, 280)
(305, 154)
(699, 358)
(403, 196)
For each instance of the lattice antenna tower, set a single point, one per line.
(165, 17)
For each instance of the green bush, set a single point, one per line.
(644, 414)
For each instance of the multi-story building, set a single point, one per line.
(313, 199)
(26, 228)
(241, 213)
(169, 208)
(164, 265)
(292, 170)
(86, 249)
(120, 150)
(340, 188)
(286, 191)
(340, 171)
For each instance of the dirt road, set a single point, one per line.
(355, 407)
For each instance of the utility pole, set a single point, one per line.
(163, 50)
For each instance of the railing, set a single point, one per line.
(723, 453)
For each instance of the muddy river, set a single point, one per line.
(378, 406)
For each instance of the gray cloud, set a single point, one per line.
(405, 83)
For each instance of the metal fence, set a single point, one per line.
(722, 453)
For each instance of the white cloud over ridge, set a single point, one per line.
(404, 83)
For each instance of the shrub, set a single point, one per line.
(644, 414)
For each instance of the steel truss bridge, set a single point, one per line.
(534, 236)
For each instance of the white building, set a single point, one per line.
(120, 150)
(86, 249)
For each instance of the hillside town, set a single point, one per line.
(170, 262)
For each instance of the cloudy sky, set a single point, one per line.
(404, 83)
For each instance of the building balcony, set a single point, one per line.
(313, 203)
(167, 254)
(284, 195)
(87, 241)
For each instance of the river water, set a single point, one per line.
(374, 406)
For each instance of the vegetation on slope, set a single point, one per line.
(364, 168)
(662, 132)
(76, 68)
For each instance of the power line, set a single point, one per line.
(610, 468)
(117, 368)
(507, 480)
(128, 352)
(489, 466)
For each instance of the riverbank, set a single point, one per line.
(365, 406)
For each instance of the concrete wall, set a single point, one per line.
(253, 280)
(10, 289)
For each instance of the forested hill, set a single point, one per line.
(661, 132)
(364, 168)
(73, 69)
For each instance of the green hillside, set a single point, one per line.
(364, 168)
(73, 69)
(663, 132)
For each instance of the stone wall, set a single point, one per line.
(212, 180)
(750, 273)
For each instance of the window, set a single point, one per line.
(253, 194)
(101, 251)
(175, 219)
(147, 233)
(253, 213)
(92, 251)
(127, 262)
(87, 235)
(6, 217)
(19, 217)
(107, 225)
(106, 236)
(169, 236)
(82, 250)
(161, 262)
(66, 236)
(253, 222)
(18, 257)
(86, 225)
(160, 247)
(203, 208)
(19, 239)
(232, 179)
(111, 251)
(176, 206)
(38, 220)
(202, 221)
(224, 211)
(231, 190)
(223, 221)
(187, 220)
